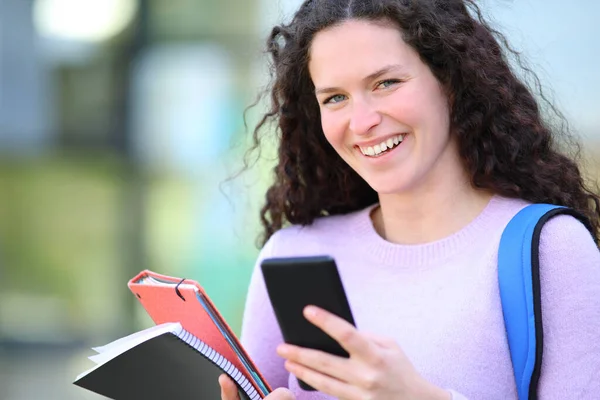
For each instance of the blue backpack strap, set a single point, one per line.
(519, 282)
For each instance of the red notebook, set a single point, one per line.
(169, 299)
(181, 356)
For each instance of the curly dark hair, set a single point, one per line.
(507, 145)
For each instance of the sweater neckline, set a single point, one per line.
(426, 253)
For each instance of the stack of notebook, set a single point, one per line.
(179, 358)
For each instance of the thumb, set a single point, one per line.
(281, 394)
(229, 389)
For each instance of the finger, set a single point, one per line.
(341, 330)
(340, 368)
(382, 341)
(229, 389)
(324, 383)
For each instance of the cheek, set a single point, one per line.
(437, 110)
(410, 107)
(333, 128)
(424, 110)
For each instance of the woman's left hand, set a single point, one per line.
(376, 369)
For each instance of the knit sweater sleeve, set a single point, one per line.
(570, 289)
(260, 331)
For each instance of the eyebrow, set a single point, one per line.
(370, 77)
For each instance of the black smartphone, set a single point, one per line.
(295, 282)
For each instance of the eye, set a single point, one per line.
(334, 99)
(387, 83)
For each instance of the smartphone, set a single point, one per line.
(295, 282)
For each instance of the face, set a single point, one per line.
(382, 109)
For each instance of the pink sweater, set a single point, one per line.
(440, 302)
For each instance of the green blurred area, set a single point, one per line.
(57, 232)
(61, 218)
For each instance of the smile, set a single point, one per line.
(383, 147)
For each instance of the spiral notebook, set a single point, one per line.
(181, 357)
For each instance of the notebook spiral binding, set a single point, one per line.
(221, 362)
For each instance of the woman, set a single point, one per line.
(406, 146)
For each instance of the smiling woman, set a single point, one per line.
(406, 146)
(383, 91)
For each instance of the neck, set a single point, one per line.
(426, 215)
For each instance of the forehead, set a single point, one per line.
(357, 47)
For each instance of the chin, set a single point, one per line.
(388, 186)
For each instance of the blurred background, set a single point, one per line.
(120, 122)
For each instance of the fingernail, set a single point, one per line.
(282, 350)
(310, 311)
(288, 365)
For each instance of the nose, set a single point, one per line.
(364, 117)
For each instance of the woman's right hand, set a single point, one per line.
(229, 391)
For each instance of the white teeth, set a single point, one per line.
(383, 146)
